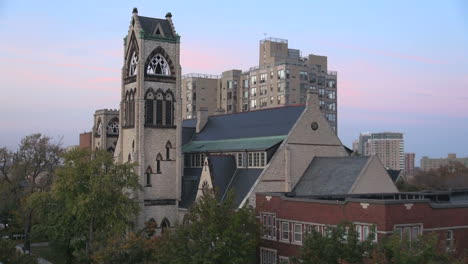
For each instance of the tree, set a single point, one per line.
(397, 250)
(214, 232)
(9, 254)
(452, 176)
(90, 201)
(338, 244)
(24, 172)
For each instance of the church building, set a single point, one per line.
(267, 150)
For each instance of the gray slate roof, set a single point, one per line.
(222, 169)
(149, 24)
(260, 123)
(242, 182)
(394, 174)
(330, 175)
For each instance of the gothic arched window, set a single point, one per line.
(99, 128)
(159, 108)
(113, 127)
(168, 150)
(149, 171)
(149, 107)
(165, 224)
(129, 158)
(111, 150)
(158, 163)
(133, 67)
(169, 110)
(158, 66)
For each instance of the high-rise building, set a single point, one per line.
(199, 92)
(409, 164)
(282, 77)
(428, 163)
(388, 146)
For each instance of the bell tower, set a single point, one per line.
(150, 114)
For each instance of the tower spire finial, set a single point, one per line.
(135, 10)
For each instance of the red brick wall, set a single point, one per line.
(85, 140)
(384, 216)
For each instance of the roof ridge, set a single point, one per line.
(257, 110)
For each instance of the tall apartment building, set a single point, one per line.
(428, 163)
(409, 164)
(282, 77)
(388, 146)
(198, 92)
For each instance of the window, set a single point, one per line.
(271, 99)
(113, 127)
(271, 75)
(297, 233)
(168, 150)
(159, 109)
(410, 232)
(331, 94)
(285, 231)
(169, 110)
(263, 102)
(321, 91)
(287, 74)
(149, 107)
(194, 160)
(253, 79)
(332, 106)
(283, 260)
(133, 69)
(158, 66)
(240, 160)
(331, 117)
(246, 83)
(253, 103)
(313, 78)
(263, 89)
(99, 128)
(230, 84)
(331, 83)
(158, 163)
(149, 171)
(449, 240)
(269, 225)
(280, 99)
(263, 77)
(303, 76)
(246, 94)
(253, 91)
(359, 232)
(267, 256)
(321, 80)
(281, 87)
(281, 75)
(245, 107)
(256, 159)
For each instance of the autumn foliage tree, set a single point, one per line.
(452, 176)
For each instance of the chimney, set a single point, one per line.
(202, 118)
(312, 99)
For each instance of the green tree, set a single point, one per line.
(214, 232)
(339, 244)
(24, 172)
(9, 254)
(90, 201)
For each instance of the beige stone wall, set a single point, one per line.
(374, 179)
(203, 89)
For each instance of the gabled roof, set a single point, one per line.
(149, 25)
(330, 175)
(222, 169)
(254, 130)
(260, 123)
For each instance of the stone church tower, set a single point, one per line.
(150, 115)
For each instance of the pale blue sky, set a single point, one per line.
(402, 65)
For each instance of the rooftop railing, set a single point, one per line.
(274, 40)
(201, 75)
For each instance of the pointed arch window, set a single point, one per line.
(165, 224)
(158, 66)
(148, 173)
(159, 108)
(133, 67)
(129, 158)
(113, 127)
(169, 109)
(111, 150)
(168, 150)
(158, 163)
(129, 105)
(99, 128)
(149, 107)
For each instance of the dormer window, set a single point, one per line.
(158, 66)
(133, 69)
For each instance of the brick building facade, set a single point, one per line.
(285, 218)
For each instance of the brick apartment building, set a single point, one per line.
(285, 217)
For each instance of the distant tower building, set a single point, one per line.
(106, 130)
(409, 164)
(388, 146)
(198, 92)
(428, 163)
